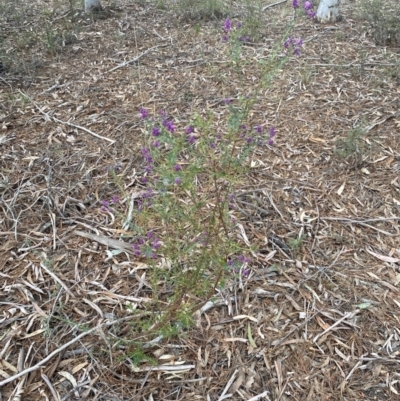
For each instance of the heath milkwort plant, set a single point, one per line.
(189, 176)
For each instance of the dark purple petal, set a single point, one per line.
(143, 113)
(227, 25)
(189, 129)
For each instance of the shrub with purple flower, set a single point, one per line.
(189, 178)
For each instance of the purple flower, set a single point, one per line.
(243, 127)
(295, 3)
(143, 113)
(308, 6)
(225, 38)
(227, 25)
(272, 132)
(115, 199)
(177, 167)
(155, 131)
(191, 139)
(150, 234)
(169, 125)
(311, 14)
(190, 129)
(177, 180)
(227, 100)
(270, 142)
(249, 140)
(230, 262)
(156, 144)
(247, 39)
(146, 155)
(243, 259)
(239, 24)
(259, 129)
(240, 38)
(156, 243)
(296, 51)
(105, 206)
(299, 42)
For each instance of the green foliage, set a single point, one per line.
(137, 355)
(204, 9)
(383, 17)
(296, 243)
(352, 147)
(183, 224)
(253, 22)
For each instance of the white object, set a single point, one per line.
(328, 10)
(92, 5)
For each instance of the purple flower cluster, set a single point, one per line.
(169, 125)
(227, 25)
(155, 131)
(308, 8)
(159, 128)
(146, 199)
(238, 264)
(307, 5)
(146, 246)
(143, 113)
(106, 205)
(190, 138)
(148, 159)
(294, 44)
(258, 138)
(229, 28)
(272, 133)
(231, 199)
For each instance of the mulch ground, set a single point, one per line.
(317, 316)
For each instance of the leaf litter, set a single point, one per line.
(316, 318)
